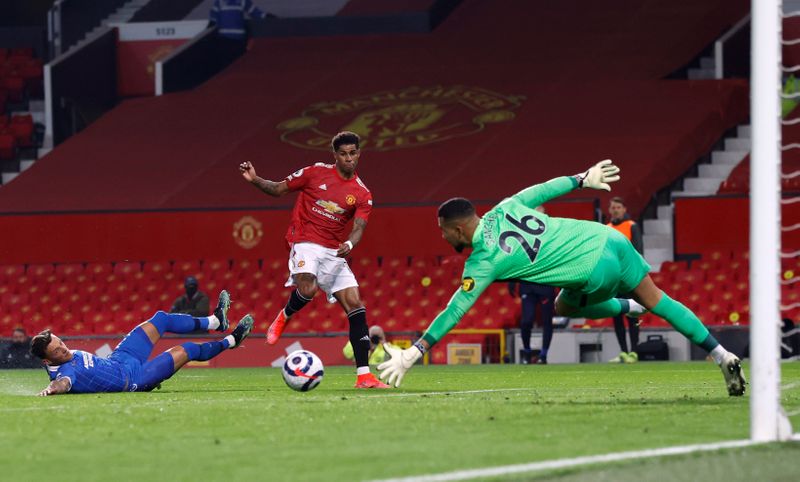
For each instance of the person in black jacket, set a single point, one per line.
(17, 354)
(194, 302)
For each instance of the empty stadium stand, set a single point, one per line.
(477, 108)
(402, 293)
(557, 80)
(21, 85)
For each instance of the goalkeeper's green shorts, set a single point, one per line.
(619, 270)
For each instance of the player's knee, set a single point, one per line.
(159, 318)
(192, 350)
(307, 289)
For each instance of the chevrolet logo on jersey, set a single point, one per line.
(330, 207)
(468, 284)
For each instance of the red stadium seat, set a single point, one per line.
(12, 302)
(229, 277)
(72, 299)
(94, 316)
(40, 270)
(250, 264)
(38, 321)
(107, 299)
(15, 86)
(328, 324)
(145, 310)
(156, 269)
(22, 128)
(393, 264)
(32, 74)
(8, 145)
(109, 328)
(164, 301)
(98, 271)
(127, 268)
(11, 272)
(215, 266)
(183, 269)
(126, 318)
(68, 271)
(9, 321)
(76, 326)
(211, 287)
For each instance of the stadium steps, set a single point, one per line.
(658, 235)
(29, 155)
(122, 15)
(706, 70)
(710, 176)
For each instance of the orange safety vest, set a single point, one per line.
(624, 227)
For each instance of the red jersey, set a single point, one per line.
(326, 203)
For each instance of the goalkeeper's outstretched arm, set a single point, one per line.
(477, 277)
(596, 177)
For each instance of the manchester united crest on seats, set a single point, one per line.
(405, 118)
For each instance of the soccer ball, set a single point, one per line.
(302, 370)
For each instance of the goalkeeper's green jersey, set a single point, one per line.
(513, 241)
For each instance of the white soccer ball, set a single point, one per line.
(302, 370)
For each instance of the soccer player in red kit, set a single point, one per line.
(330, 196)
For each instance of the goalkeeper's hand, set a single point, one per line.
(393, 370)
(599, 175)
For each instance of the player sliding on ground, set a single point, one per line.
(127, 369)
(590, 262)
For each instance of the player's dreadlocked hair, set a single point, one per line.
(343, 138)
(456, 208)
(39, 344)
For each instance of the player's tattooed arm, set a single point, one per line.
(57, 387)
(355, 236)
(275, 189)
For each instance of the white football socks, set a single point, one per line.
(231, 341)
(636, 310)
(718, 354)
(213, 323)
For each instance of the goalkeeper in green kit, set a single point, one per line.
(589, 261)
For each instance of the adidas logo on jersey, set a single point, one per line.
(324, 187)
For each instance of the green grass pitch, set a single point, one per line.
(245, 424)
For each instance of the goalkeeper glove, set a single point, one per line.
(393, 370)
(599, 175)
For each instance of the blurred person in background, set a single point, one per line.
(194, 302)
(17, 353)
(622, 222)
(534, 295)
(377, 354)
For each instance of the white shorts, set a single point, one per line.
(333, 274)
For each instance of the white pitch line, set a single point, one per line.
(451, 392)
(504, 470)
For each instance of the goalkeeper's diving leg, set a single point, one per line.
(622, 269)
